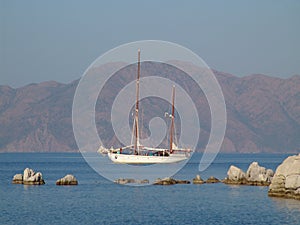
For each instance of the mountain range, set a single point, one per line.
(263, 113)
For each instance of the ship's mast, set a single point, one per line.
(172, 120)
(136, 120)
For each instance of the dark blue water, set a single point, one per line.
(99, 201)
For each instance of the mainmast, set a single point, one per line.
(136, 120)
(172, 120)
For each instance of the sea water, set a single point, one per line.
(97, 200)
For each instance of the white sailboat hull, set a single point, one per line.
(143, 159)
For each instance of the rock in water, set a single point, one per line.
(170, 181)
(235, 176)
(183, 182)
(165, 181)
(124, 181)
(198, 180)
(259, 175)
(235, 173)
(29, 177)
(36, 178)
(18, 179)
(212, 180)
(67, 180)
(256, 175)
(286, 181)
(131, 181)
(28, 173)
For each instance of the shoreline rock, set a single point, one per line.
(29, 177)
(255, 176)
(67, 180)
(286, 181)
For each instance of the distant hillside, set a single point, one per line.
(263, 112)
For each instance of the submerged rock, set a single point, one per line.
(124, 181)
(183, 182)
(145, 181)
(165, 181)
(131, 181)
(256, 175)
(286, 181)
(198, 180)
(67, 180)
(170, 181)
(29, 177)
(212, 180)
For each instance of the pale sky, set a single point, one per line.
(58, 40)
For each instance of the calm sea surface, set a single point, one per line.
(99, 201)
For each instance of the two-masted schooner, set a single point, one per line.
(136, 153)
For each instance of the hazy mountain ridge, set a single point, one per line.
(269, 107)
(263, 115)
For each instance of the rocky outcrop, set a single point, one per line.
(29, 177)
(67, 180)
(131, 181)
(170, 181)
(198, 180)
(212, 180)
(286, 181)
(255, 175)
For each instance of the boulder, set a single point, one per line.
(235, 176)
(286, 180)
(235, 173)
(170, 181)
(258, 175)
(18, 179)
(255, 175)
(212, 180)
(36, 178)
(198, 180)
(29, 177)
(67, 180)
(292, 182)
(28, 173)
